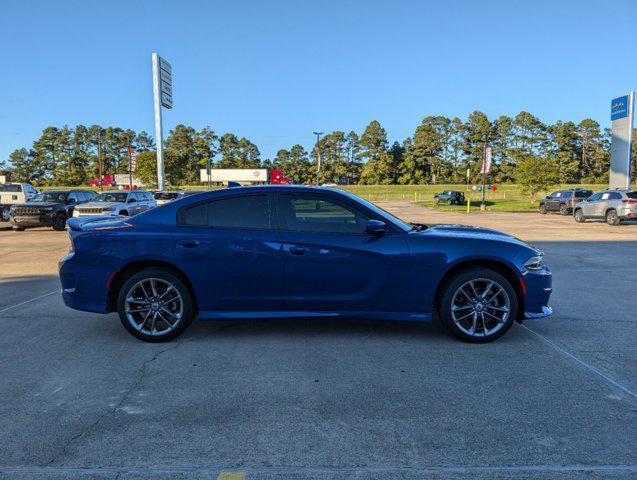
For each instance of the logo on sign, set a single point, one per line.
(619, 108)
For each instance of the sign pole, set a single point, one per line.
(161, 183)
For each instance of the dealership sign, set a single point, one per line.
(621, 115)
(486, 165)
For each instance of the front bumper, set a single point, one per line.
(45, 220)
(539, 286)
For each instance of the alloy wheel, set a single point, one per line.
(480, 307)
(154, 306)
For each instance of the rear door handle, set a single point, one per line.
(189, 244)
(298, 250)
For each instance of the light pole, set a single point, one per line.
(318, 156)
(99, 156)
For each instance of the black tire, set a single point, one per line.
(17, 228)
(579, 216)
(563, 210)
(167, 276)
(612, 218)
(460, 279)
(543, 209)
(449, 202)
(59, 222)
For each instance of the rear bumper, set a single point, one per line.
(83, 287)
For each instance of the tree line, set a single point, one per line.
(441, 150)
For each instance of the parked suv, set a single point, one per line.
(117, 202)
(12, 194)
(611, 205)
(48, 209)
(450, 197)
(563, 201)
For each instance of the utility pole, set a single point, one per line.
(486, 166)
(318, 156)
(99, 156)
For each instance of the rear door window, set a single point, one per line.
(245, 212)
(632, 195)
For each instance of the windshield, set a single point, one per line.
(10, 187)
(119, 197)
(384, 213)
(49, 197)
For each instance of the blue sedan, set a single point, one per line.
(295, 251)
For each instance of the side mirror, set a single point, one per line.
(375, 227)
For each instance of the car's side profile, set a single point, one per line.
(610, 205)
(291, 251)
(563, 201)
(117, 202)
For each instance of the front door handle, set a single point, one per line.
(189, 244)
(298, 250)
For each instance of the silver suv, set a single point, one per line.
(611, 205)
(118, 202)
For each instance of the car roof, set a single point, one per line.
(57, 191)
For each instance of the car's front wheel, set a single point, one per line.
(543, 209)
(155, 305)
(478, 305)
(579, 216)
(59, 222)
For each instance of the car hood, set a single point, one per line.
(469, 232)
(37, 204)
(100, 204)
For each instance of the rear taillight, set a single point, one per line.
(630, 200)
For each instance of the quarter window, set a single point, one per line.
(306, 213)
(250, 212)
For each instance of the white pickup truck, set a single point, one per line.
(12, 194)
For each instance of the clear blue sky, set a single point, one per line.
(274, 71)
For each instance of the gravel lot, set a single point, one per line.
(554, 399)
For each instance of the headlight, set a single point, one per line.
(108, 209)
(534, 263)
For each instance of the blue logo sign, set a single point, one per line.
(619, 108)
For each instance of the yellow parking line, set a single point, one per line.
(231, 476)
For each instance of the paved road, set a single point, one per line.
(554, 399)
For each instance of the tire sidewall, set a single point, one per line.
(188, 311)
(444, 304)
(56, 222)
(563, 210)
(543, 209)
(614, 222)
(579, 216)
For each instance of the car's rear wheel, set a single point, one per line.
(155, 305)
(579, 216)
(612, 218)
(543, 209)
(59, 223)
(563, 209)
(478, 305)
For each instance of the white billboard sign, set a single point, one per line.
(621, 115)
(240, 175)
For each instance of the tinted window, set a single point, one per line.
(615, 196)
(112, 197)
(583, 193)
(595, 197)
(632, 195)
(10, 188)
(166, 195)
(307, 213)
(239, 212)
(567, 194)
(194, 216)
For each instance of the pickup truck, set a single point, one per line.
(13, 194)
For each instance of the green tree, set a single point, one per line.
(536, 174)
(378, 168)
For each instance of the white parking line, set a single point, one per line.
(29, 301)
(556, 347)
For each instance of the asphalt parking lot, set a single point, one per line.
(556, 398)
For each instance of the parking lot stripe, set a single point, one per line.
(231, 475)
(28, 301)
(569, 355)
